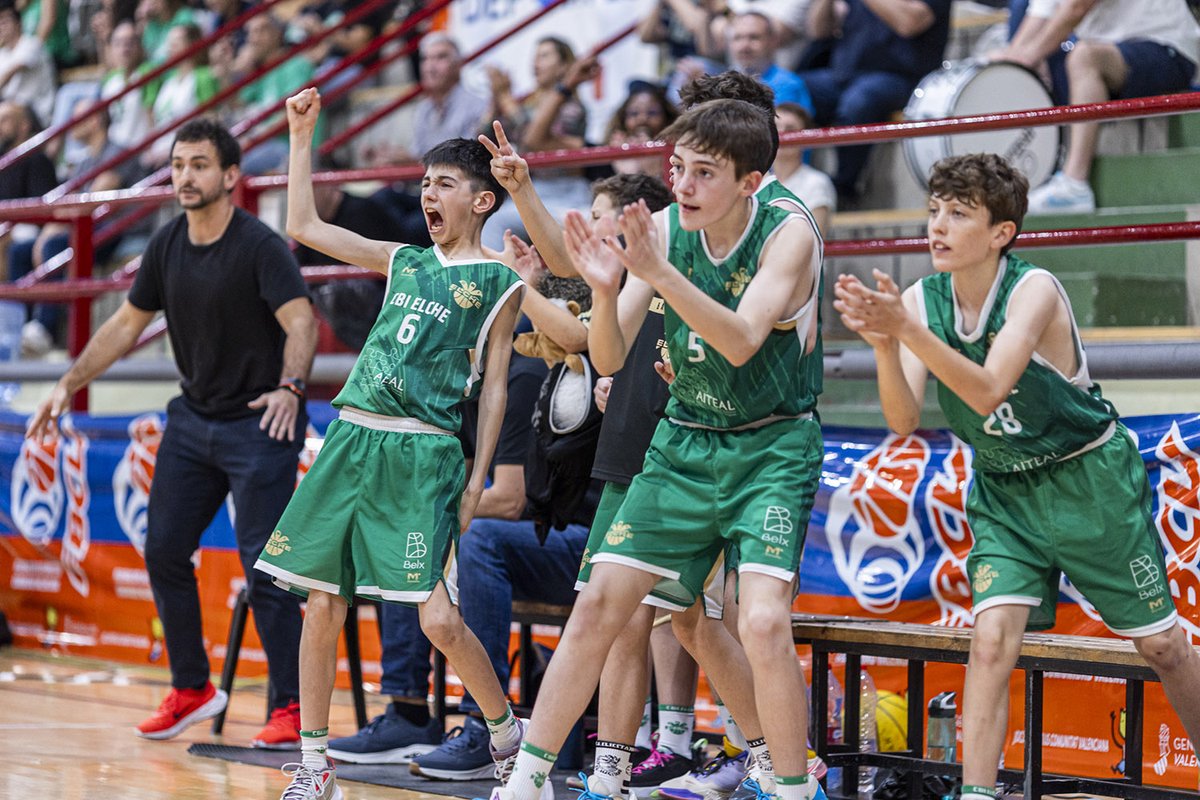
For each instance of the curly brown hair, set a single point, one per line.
(983, 179)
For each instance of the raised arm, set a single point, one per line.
(512, 172)
(493, 398)
(111, 341)
(303, 223)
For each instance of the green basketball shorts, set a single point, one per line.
(702, 490)
(1088, 517)
(376, 515)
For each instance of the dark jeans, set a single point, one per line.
(854, 100)
(200, 461)
(498, 561)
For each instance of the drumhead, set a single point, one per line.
(969, 88)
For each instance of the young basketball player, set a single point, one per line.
(379, 513)
(738, 289)
(1059, 485)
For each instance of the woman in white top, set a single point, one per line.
(811, 185)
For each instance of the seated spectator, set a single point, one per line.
(1020, 36)
(32, 176)
(808, 183)
(179, 91)
(551, 117)
(221, 12)
(26, 69)
(638, 120)
(1117, 54)
(319, 16)
(47, 21)
(40, 332)
(753, 44)
(155, 19)
(885, 49)
(123, 57)
(684, 27)
(264, 43)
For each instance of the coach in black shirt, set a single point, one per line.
(243, 333)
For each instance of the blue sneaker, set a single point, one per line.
(756, 791)
(387, 739)
(465, 754)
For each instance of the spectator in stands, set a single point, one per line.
(47, 21)
(123, 57)
(155, 19)
(221, 12)
(1118, 53)
(181, 90)
(551, 117)
(264, 43)
(885, 49)
(806, 182)
(638, 120)
(347, 39)
(32, 176)
(753, 43)
(26, 69)
(91, 133)
(684, 27)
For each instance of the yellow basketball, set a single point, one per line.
(891, 722)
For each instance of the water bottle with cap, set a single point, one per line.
(833, 727)
(867, 733)
(942, 735)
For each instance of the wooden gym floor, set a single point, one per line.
(66, 731)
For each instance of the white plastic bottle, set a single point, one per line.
(868, 737)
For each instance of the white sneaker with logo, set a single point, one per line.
(1062, 195)
(310, 784)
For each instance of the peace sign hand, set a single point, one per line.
(509, 169)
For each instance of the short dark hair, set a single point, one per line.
(473, 160)
(208, 129)
(983, 179)
(798, 111)
(733, 85)
(565, 53)
(731, 129)
(626, 189)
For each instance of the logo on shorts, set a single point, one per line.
(984, 575)
(416, 546)
(619, 532)
(414, 577)
(467, 294)
(1157, 604)
(778, 519)
(1144, 570)
(774, 552)
(278, 544)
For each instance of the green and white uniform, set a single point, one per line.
(738, 456)
(377, 514)
(1059, 484)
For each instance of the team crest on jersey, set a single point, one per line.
(467, 294)
(619, 532)
(737, 282)
(984, 575)
(278, 544)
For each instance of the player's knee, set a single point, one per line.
(443, 627)
(1084, 58)
(1164, 652)
(760, 627)
(991, 647)
(324, 609)
(686, 628)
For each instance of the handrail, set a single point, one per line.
(359, 12)
(35, 142)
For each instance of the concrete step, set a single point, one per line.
(1147, 179)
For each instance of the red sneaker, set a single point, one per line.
(180, 709)
(282, 731)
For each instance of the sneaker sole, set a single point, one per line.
(207, 711)
(486, 771)
(259, 744)
(398, 755)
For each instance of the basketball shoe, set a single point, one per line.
(311, 784)
(180, 709)
(282, 731)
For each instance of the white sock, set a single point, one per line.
(644, 730)
(793, 788)
(611, 769)
(762, 759)
(978, 793)
(531, 771)
(675, 725)
(505, 731)
(312, 748)
(732, 732)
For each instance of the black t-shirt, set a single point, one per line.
(32, 176)
(220, 301)
(635, 404)
(525, 376)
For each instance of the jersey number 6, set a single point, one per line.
(408, 328)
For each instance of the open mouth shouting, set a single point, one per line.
(434, 222)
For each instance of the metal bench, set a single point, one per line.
(918, 644)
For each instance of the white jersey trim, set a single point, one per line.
(382, 422)
(477, 365)
(1082, 379)
(984, 313)
(289, 580)
(745, 232)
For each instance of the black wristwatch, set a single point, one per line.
(294, 385)
(563, 89)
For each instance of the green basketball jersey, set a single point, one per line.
(771, 191)
(425, 352)
(1047, 416)
(708, 390)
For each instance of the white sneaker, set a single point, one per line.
(310, 784)
(504, 793)
(36, 341)
(1062, 195)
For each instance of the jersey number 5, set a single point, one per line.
(408, 328)
(1002, 416)
(695, 348)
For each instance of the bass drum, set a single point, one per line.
(967, 88)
